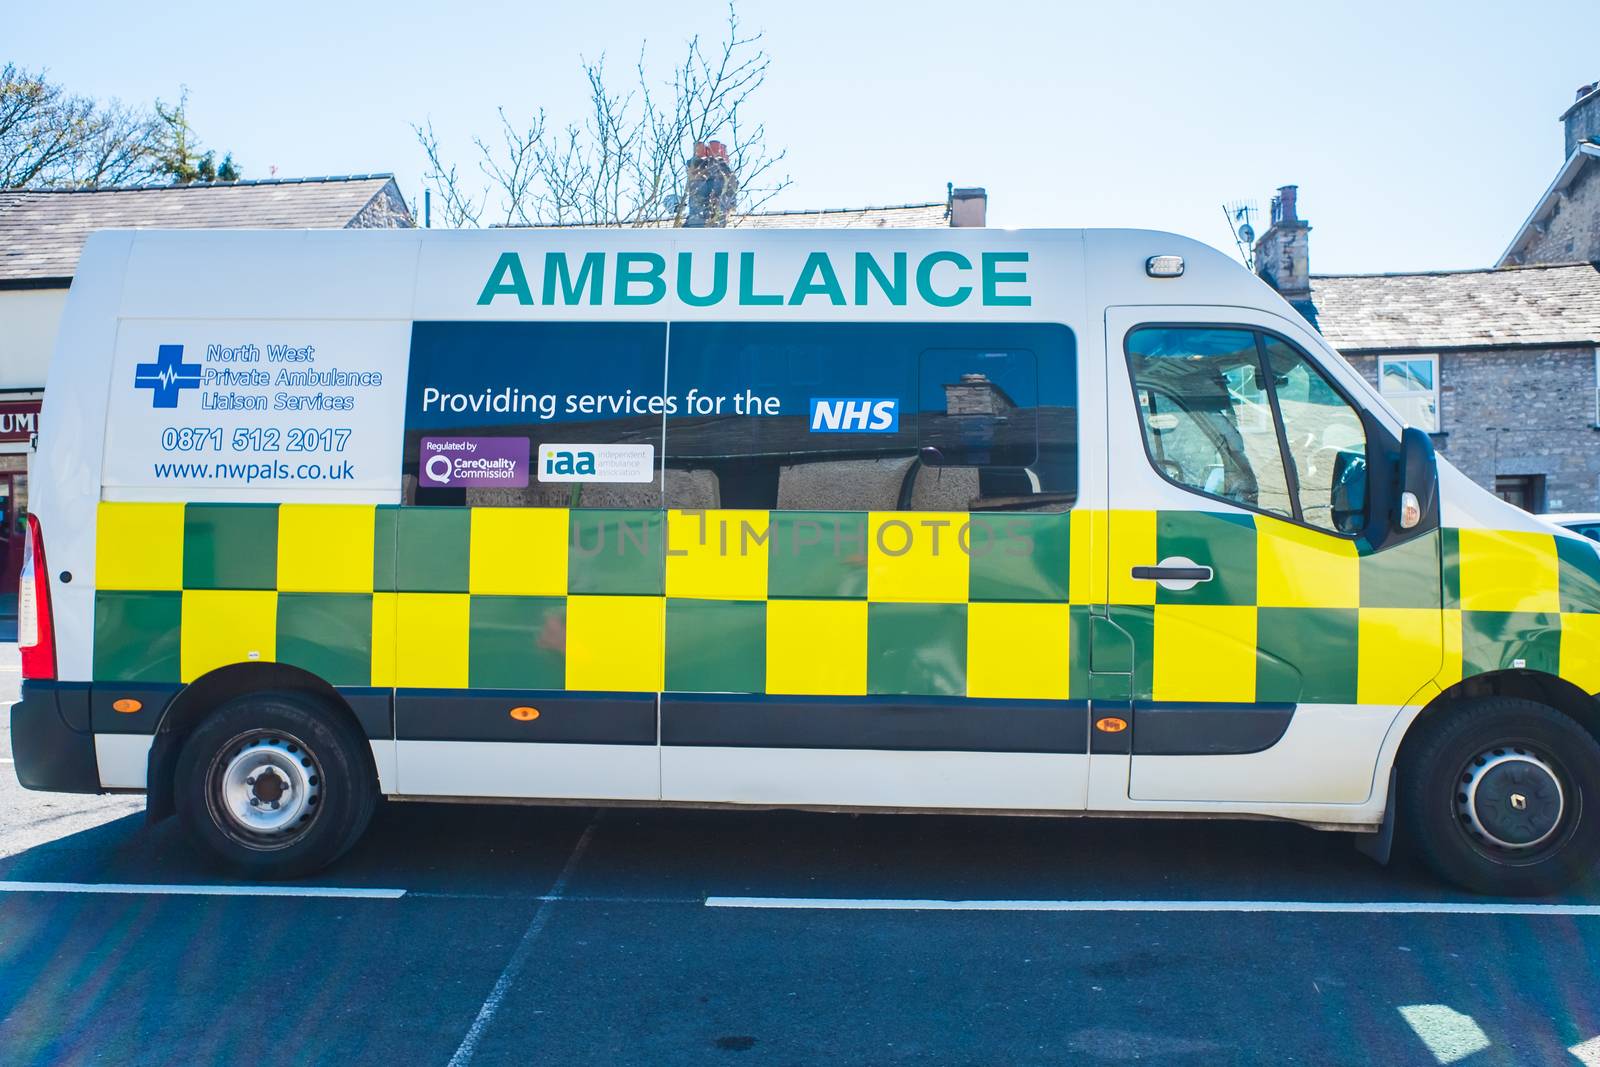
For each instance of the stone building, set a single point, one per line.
(41, 236)
(1500, 365)
(1564, 226)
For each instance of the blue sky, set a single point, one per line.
(1420, 132)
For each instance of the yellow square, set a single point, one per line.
(615, 643)
(817, 647)
(1086, 581)
(325, 548)
(717, 555)
(139, 546)
(1301, 568)
(1580, 651)
(1205, 652)
(226, 626)
(1402, 650)
(1131, 538)
(1019, 651)
(917, 556)
(1509, 570)
(430, 640)
(519, 551)
(383, 638)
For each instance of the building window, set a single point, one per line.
(1526, 491)
(1411, 386)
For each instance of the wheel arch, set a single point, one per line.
(210, 691)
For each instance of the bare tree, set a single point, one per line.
(626, 163)
(50, 138)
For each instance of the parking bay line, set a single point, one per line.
(1300, 907)
(139, 889)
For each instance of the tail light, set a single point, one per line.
(36, 631)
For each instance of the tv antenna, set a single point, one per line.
(1241, 214)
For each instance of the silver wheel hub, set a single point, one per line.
(1510, 798)
(270, 786)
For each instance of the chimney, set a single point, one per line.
(1283, 257)
(968, 207)
(712, 191)
(1581, 121)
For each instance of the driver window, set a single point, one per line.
(1207, 416)
(1327, 443)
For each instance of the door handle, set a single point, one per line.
(1173, 574)
(1182, 573)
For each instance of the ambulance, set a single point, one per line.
(988, 521)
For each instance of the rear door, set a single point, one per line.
(1275, 630)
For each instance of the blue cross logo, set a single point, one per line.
(167, 377)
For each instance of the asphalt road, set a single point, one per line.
(576, 936)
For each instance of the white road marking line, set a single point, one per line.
(522, 953)
(1587, 1052)
(138, 889)
(1309, 907)
(1449, 1035)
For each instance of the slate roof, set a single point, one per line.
(900, 216)
(892, 217)
(42, 231)
(1545, 305)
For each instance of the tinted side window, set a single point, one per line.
(871, 416)
(535, 414)
(1206, 414)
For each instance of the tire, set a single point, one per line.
(275, 785)
(1502, 796)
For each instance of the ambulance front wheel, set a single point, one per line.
(1502, 796)
(275, 785)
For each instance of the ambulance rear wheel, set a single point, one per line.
(1502, 796)
(275, 785)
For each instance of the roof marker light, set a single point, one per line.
(1164, 266)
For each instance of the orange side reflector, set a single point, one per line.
(127, 705)
(1111, 725)
(524, 714)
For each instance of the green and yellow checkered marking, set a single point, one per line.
(828, 603)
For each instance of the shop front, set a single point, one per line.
(19, 421)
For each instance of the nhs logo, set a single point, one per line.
(840, 415)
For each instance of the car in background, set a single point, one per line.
(1586, 523)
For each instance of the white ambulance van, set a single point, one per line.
(1056, 522)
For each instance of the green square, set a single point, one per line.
(1081, 624)
(328, 634)
(385, 521)
(137, 636)
(1225, 543)
(716, 646)
(1579, 559)
(817, 554)
(1306, 655)
(517, 642)
(917, 649)
(1496, 640)
(615, 551)
(432, 550)
(1450, 565)
(1402, 576)
(1138, 622)
(230, 546)
(1019, 557)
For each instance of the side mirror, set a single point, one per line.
(1419, 479)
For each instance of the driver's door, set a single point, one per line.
(1272, 639)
